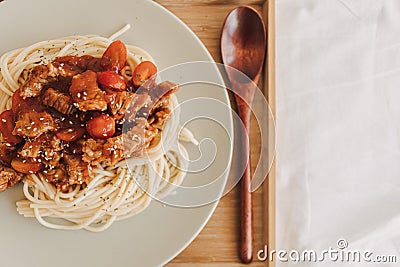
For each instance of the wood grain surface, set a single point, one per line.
(218, 243)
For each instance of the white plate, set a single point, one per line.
(159, 233)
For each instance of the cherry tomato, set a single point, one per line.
(142, 72)
(111, 80)
(70, 134)
(7, 124)
(102, 126)
(114, 58)
(26, 166)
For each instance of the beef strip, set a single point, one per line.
(81, 64)
(8, 177)
(78, 170)
(86, 93)
(47, 146)
(138, 138)
(59, 101)
(161, 103)
(39, 76)
(58, 176)
(33, 124)
(107, 152)
(138, 102)
(93, 151)
(158, 117)
(119, 102)
(114, 150)
(163, 89)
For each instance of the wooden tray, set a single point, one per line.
(218, 243)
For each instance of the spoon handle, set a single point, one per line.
(246, 223)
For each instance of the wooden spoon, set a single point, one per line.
(243, 46)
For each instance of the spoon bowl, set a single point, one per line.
(243, 42)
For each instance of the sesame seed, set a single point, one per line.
(35, 129)
(41, 119)
(32, 123)
(4, 120)
(79, 95)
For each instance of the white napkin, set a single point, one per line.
(338, 126)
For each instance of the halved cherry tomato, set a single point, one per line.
(142, 72)
(114, 58)
(102, 126)
(70, 134)
(26, 166)
(7, 124)
(111, 80)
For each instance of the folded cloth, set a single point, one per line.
(338, 127)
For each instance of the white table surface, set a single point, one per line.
(338, 126)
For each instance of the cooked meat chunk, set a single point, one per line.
(78, 170)
(93, 151)
(59, 101)
(163, 89)
(159, 117)
(33, 124)
(114, 150)
(8, 177)
(138, 102)
(86, 93)
(107, 152)
(58, 176)
(47, 146)
(119, 102)
(80, 64)
(138, 138)
(161, 103)
(39, 76)
(31, 149)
